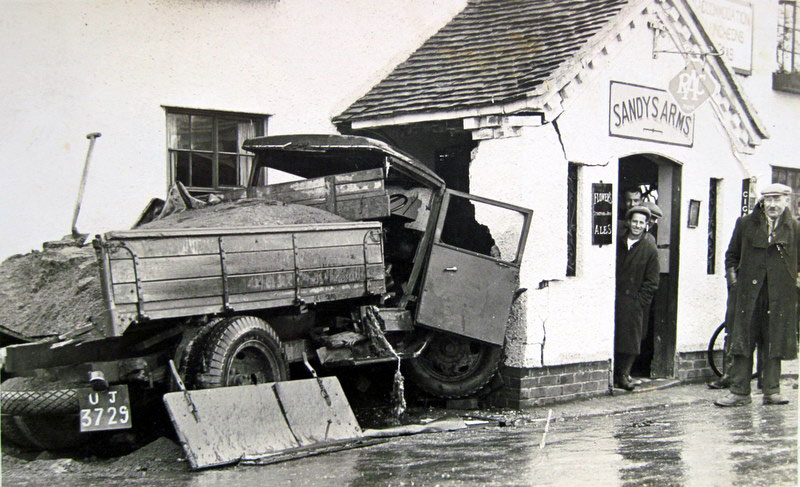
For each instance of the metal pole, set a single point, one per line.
(92, 136)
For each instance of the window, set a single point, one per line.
(572, 218)
(788, 38)
(787, 77)
(205, 147)
(713, 190)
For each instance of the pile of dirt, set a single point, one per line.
(242, 213)
(51, 292)
(57, 290)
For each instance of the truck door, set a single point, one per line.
(473, 268)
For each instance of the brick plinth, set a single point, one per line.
(530, 387)
(693, 366)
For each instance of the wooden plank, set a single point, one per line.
(264, 304)
(358, 187)
(341, 291)
(336, 238)
(243, 300)
(338, 275)
(366, 175)
(257, 262)
(209, 423)
(177, 304)
(362, 208)
(257, 242)
(260, 282)
(167, 247)
(338, 256)
(185, 311)
(181, 289)
(162, 268)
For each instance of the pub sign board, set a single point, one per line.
(644, 113)
(602, 198)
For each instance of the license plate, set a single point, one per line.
(105, 410)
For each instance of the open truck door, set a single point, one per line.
(473, 270)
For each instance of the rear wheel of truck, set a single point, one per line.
(239, 351)
(452, 367)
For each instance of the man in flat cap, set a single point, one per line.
(637, 281)
(761, 266)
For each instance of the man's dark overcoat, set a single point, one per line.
(756, 259)
(637, 281)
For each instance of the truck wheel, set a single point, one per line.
(191, 357)
(452, 367)
(239, 351)
(37, 418)
(43, 432)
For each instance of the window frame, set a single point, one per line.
(217, 116)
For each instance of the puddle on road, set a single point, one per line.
(690, 445)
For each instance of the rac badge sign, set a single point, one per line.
(640, 112)
(692, 87)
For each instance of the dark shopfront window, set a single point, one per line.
(790, 177)
(205, 147)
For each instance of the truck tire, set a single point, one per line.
(43, 432)
(191, 358)
(239, 351)
(451, 367)
(39, 418)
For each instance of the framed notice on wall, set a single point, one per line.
(601, 213)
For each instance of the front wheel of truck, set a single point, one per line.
(239, 351)
(452, 367)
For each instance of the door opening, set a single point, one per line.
(658, 180)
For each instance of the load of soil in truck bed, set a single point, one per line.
(56, 290)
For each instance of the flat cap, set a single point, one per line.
(638, 209)
(776, 189)
(655, 211)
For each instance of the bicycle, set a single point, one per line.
(710, 353)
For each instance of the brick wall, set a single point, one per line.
(524, 387)
(693, 366)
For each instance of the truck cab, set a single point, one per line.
(452, 258)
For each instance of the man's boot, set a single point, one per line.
(622, 378)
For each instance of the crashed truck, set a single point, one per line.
(432, 270)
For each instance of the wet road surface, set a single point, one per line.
(685, 445)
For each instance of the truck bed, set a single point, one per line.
(155, 274)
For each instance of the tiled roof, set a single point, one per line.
(494, 51)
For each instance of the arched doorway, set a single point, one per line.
(659, 180)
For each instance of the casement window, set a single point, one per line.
(787, 76)
(205, 147)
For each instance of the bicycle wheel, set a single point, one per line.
(711, 362)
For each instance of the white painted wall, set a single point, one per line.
(573, 317)
(70, 68)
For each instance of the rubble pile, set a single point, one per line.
(56, 290)
(252, 212)
(50, 292)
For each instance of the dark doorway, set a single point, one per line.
(658, 179)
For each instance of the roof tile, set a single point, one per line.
(493, 51)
